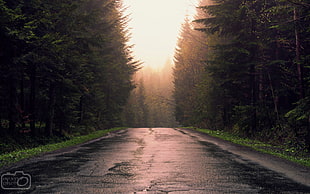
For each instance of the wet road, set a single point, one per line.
(159, 160)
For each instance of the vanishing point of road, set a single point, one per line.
(162, 160)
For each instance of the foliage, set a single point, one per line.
(151, 103)
(65, 66)
(24, 153)
(255, 75)
(188, 60)
(284, 151)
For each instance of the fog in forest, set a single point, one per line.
(70, 68)
(151, 103)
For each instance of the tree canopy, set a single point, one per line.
(254, 77)
(66, 66)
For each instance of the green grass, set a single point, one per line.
(280, 151)
(12, 157)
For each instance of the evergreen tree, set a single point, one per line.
(65, 65)
(254, 80)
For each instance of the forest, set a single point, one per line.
(66, 66)
(243, 67)
(151, 103)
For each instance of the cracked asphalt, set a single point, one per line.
(161, 160)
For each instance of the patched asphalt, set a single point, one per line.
(161, 160)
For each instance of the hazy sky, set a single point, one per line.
(155, 26)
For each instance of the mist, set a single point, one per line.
(151, 103)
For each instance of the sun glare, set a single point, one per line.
(155, 26)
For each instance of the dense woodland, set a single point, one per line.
(243, 66)
(65, 67)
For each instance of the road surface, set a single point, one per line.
(161, 160)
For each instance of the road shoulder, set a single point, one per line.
(52, 154)
(290, 169)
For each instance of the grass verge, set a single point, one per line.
(302, 158)
(12, 157)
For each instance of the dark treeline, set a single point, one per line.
(65, 66)
(243, 66)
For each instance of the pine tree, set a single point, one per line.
(66, 65)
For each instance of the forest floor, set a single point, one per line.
(290, 153)
(13, 150)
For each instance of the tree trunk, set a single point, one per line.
(253, 99)
(12, 106)
(308, 135)
(297, 51)
(22, 101)
(81, 110)
(33, 101)
(274, 98)
(253, 70)
(261, 88)
(50, 111)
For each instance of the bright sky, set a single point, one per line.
(155, 26)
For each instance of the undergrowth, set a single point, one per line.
(283, 151)
(21, 152)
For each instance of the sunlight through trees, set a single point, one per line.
(253, 76)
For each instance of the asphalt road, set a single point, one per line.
(161, 160)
